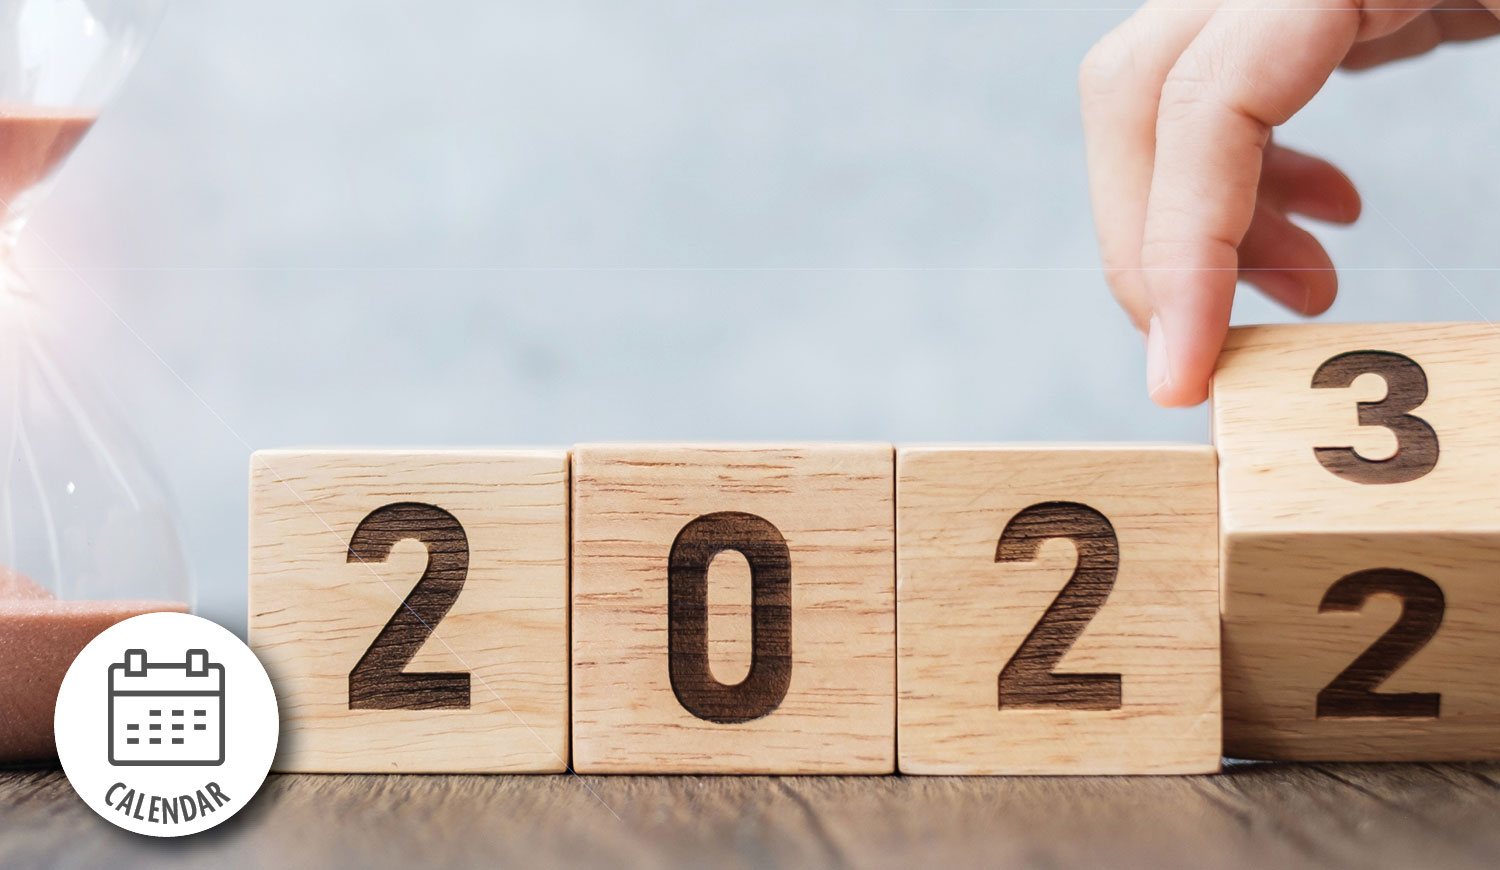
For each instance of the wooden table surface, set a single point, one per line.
(1362, 816)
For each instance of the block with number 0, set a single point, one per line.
(1057, 610)
(411, 607)
(1360, 496)
(734, 609)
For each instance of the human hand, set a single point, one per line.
(1190, 194)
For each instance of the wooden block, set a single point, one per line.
(411, 607)
(734, 609)
(1057, 610)
(1361, 541)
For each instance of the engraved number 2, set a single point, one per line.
(1028, 679)
(1352, 693)
(380, 680)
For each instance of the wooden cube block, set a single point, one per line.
(1058, 610)
(1360, 466)
(733, 609)
(411, 607)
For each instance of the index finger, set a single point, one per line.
(1249, 70)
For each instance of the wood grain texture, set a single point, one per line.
(1289, 816)
(338, 542)
(833, 507)
(1116, 549)
(1270, 421)
(1349, 452)
(1283, 648)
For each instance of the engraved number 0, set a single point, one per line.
(763, 546)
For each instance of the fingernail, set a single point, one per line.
(1158, 367)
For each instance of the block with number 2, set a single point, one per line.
(1057, 610)
(411, 607)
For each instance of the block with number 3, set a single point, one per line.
(1057, 610)
(1360, 489)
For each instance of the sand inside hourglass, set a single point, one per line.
(39, 637)
(33, 141)
(39, 633)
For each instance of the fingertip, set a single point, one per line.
(1354, 206)
(1320, 300)
(1182, 350)
(1349, 205)
(1308, 292)
(1158, 364)
(1303, 184)
(1288, 264)
(1180, 395)
(1290, 289)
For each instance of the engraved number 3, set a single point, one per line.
(1406, 390)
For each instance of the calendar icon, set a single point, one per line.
(166, 713)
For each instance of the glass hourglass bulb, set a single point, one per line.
(87, 532)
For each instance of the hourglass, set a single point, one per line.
(87, 535)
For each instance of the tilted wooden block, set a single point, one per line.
(1057, 610)
(411, 607)
(733, 609)
(1360, 467)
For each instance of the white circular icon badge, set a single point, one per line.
(166, 724)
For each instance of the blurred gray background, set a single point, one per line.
(436, 223)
